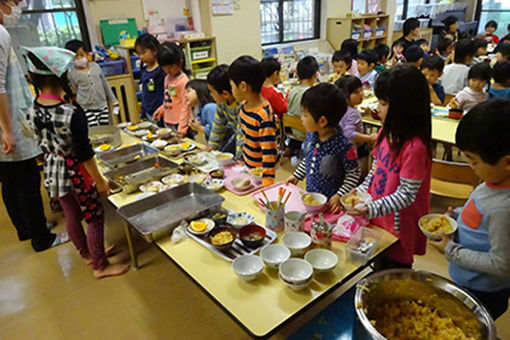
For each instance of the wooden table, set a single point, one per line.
(262, 306)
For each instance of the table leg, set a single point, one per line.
(132, 254)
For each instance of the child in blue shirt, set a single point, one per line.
(500, 89)
(152, 79)
(330, 163)
(202, 105)
(366, 63)
(479, 254)
(432, 68)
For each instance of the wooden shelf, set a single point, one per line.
(201, 61)
(339, 29)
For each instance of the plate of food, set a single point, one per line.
(432, 225)
(197, 160)
(151, 186)
(313, 202)
(174, 179)
(240, 219)
(355, 199)
(123, 125)
(173, 149)
(159, 144)
(219, 174)
(197, 178)
(257, 173)
(132, 127)
(140, 133)
(201, 226)
(103, 148)
(241, 183)
(145, 125)
(213, 184)
(187, 146)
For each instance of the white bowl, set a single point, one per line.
(197, 160)
(436, 236)
(241, 183)
(240, 219)
(322, 260)
(295, 273)
(274, 254)
(247, 267)
(174, 179)
(173, 149)
(145, 125)
(297, 242)
(213, 184)
(362, 197)
(151, 186)
(210, 225)
(320, 198)
(141, 133)
(159, 144)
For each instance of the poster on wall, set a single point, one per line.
(222, 7)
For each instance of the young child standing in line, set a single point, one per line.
(330, 164)
(382, 52)
(500, 89)
(478, 253)
(200, 102)
(351, 124)
(256, 117)
(399, 181)
(432, 68)
(70, 169)
(307, 69)
(225, 134)
(479, 77)
(455, 76)
(92, 90)
(174, 110)
(269, 91)
(366, 63)
(152, 77)
(351, 46)
(342, 62)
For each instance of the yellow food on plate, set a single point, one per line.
(132, 127)
(198, 226)
(185, 145)
(105, 147)
(256, 172)
(224, 156)
(221, 238)
(436, 225)
(308, 199)
(150, 135)
(136, 157)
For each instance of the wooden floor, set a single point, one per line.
(52, 295)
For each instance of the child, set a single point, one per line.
(174, 110)
(500, 89)
(351, 46)
(479, 255)
(491, 27)
(307, 69)
(256, 118)
(399, 181)
(224, 136)
(445, 47)
(152, 79)
(199, 100)
(503, 53)
(382, 52)
(455, 75)
(432, 68)
(479, 77)
(397, 50)
(329, 165)
(414, 55)
(342, 62)
(424, 45)
(92, 90)
(366, 63)
(351, 124)
(70, 169)
(269, 91)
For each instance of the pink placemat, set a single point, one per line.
(341, 233)
(236, 171)
(294, 204)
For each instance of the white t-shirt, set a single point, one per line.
(454, 78)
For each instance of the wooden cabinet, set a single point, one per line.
(368, 30)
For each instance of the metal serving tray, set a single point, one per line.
(106, 134)
(157, 215)
(126, 155)
(131, 176)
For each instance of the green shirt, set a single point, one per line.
(380, 68)
(294, 107)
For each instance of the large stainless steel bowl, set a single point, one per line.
(406, 284)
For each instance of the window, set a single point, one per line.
(289, 20)
(498, 10)
(405, 8)
(51, 23)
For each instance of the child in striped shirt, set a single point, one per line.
(399, 181)
(256, 117)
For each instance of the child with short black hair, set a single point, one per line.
(455, 76)
(382, 51)
(481, 49)
(445, 48)
(351, 46)
(341, 61)
(93, 92)
(479, 254)
(424, 45)
(490, 27)
(202, 105)
(500, 89)
(269, 90)
(152, 78)
(256, 118)
(432, 68)
(330, 164)
(225, 134)
(479, 77)
(366, 62)
(503, 53)
(397, 52)
(414, 55)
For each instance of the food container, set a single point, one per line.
(127, 155)
(321, 233)
(296, 273)
(294, 221)
(247, 267)
(363, 245)
(322, 260)
(436, 236)
(275, 217)
(223, 229)
(252, 235)
(314, 208)
(296, 242)
(157, 215)
(439, 293)
(455, 113)
(106, 134)
(351, 200)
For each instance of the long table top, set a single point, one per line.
(260, 306)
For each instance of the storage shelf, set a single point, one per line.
(339, 29)
(201, 61)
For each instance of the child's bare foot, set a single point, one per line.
(109, 251)
(111, 270)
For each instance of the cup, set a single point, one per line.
(294, 221)
(275, 217)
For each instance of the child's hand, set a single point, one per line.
(157, 115)
(449, 212)
(103, 187)
(441, 244)
(334, 204)
(195, 125)
(454, 103)
(359, 211)
(292, 180)
(373, 138)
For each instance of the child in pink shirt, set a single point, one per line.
(174, 110)
(399, 181)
